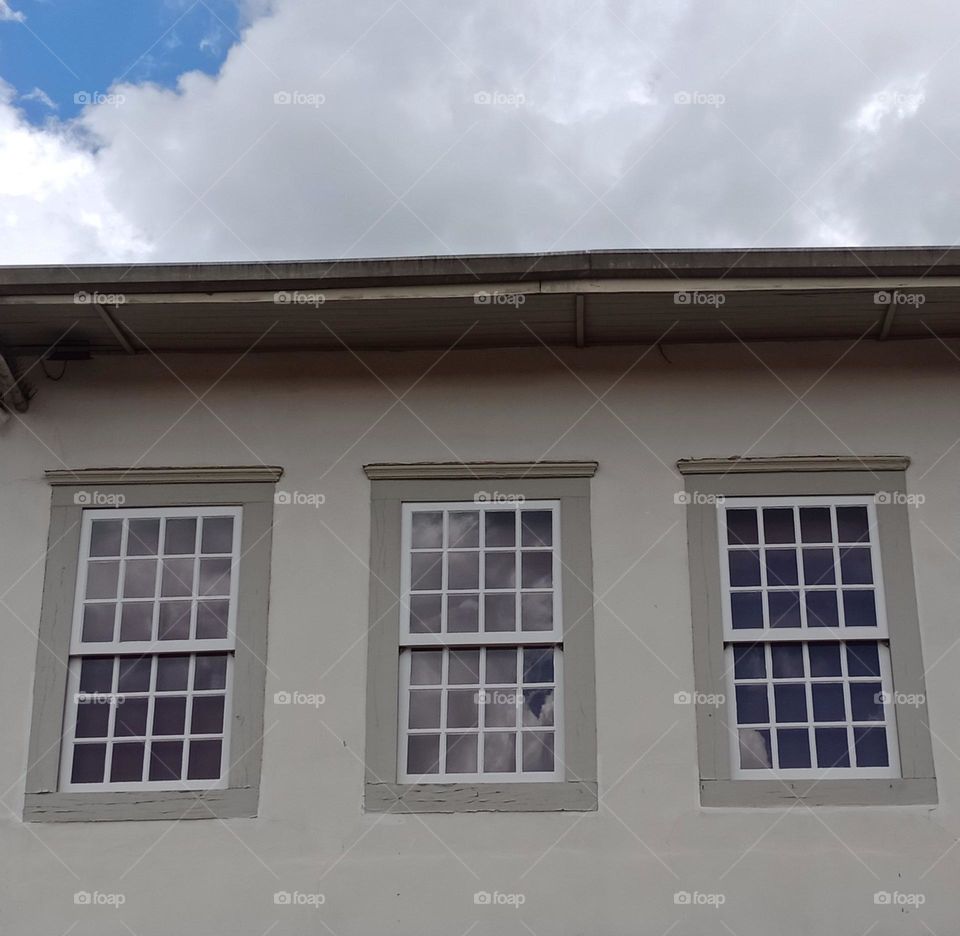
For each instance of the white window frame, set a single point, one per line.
(805, 635)
(153, 648)
(480, 639)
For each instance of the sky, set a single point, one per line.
(191, 130)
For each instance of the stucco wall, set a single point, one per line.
(322, 417)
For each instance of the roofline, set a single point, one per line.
(865, 263)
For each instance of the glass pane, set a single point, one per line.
(131, 718)
(464, 668)
(824, 659)
(165, 760)
(855, 567)
(781, 567)
(92, 719)
(174, 620)
(207, 716)
(212, 619)
(136, 620)
(127, 762)
(134, 675)
(140, 578)
(793, 748)
(822, 609)
(499, 613)
(461, 709)
(752, 705)
(536, 528)
(778, 525)
(98, 623)
(464, 528)
(172, 673)
(177, 578)
(500, 570)
(463, 614)
(863, 659)
(784, 609)
(536, 570)
(742, 527)
(866, 701)
(425, 667)
(204, 760)
(828, 703)
(754, 748)
(818, 568)
(538, 665)
(787, 660)
(537, 751)
(426, 529)
(217, 535)
(746, 609)
(426, 571)
(538, 708)
(423, 754)
(500, 528)
(102, 579)
(815, 525)
(790, 702)
(425, 614)
(499, 752)
(215, 576)
(500, 708)
(424, 708)
(536, 612)
(852, 525)
(744, 567)
(832, 747)
(463, 570)
(462, 753)
(871, 747)
(105, 537)
(143, 537)
(210, 672)
(180, 537)
(169, 715)
(502, 667)
(88, 763)
(859, 609)
(749, 662)
(96, 674)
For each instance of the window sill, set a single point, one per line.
(567, 796)
(863, 792)
(236, 803)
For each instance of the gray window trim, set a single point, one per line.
(43, 801)
(741, 478)
(578, 792)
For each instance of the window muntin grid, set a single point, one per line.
(481, 581)
(785, 563)
(155, 587)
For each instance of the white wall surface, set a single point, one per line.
(789, 871)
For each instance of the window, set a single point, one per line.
(807, 660)
(480, 683)
(151, 659)
(480, 672)
(152, 639)
(803, 587)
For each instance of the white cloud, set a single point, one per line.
(10, 16)
(618, 125)
(41, 96)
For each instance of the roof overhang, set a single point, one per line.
(507, 300)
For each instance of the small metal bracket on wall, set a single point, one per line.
(888, 316)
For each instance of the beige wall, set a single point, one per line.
(322, 417)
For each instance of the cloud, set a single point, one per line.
(423, 127)
(41, 96)
(10, 16)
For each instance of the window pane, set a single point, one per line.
(215, 576)
(461, 709)
(463, 570)
(127, 762)
(742, 527)
(134, 674)
(105, 537)
(866, 701)
(536, 570)
(425, 667)
(501, 666)
(92, 719)
(143, 537)
(537, 751)
(425, 614)
(852, 525)
(88, 763)
(754, 748)
(784, 609)
(859, 609)
(426, 571)
(790, 702)
(793, 748)
(824, 659)
(464, 667)
(855, 568)
(98, 623)
(140, 578)
(822, 609)
(749, 662)
(538, 665)
(499, 752)
(462, 753)
(425, 708)
(96, 674)
(174, 620)
(500, 570)
(500, 528)
(131, 718)
(746, 609)
(464, 528)
(172, 673)
(177, 578)
(463, 614)
(832, 747)
(787, 660)
(778, 525)
(499, 613)
(423, 754)
(815, 525)
(752, 705)
(165, 760)
(427, 529)
(828, 702)
(871, 747)
(744, 567)
(781, 567)
(818, 567)
(204, 760)
(212, 619)
(180, 537)
(536, 528)
(210, 672)
(102, 579)
(207, 716)
(169, 715)
(536, 612)
(500, 708)
(863, 659)
(537, 708)
(217, 535)
(136, 620)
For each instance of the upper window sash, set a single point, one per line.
(804, 632)
(481, 636)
